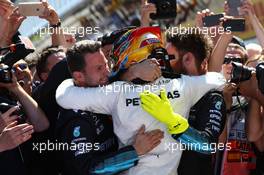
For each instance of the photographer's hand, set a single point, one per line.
(221, 44)
(146, 10)
(7, 118)
(214, 31)
(200, 15)
(248, 9)
(13, 135)
(13, 86)
(7, 6)
(249, 88)
(50, 14)
(161, 109)
(34, 113)
(14, 22)
(10, 22)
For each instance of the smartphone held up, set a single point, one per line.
(31, 8)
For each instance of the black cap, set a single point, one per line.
(239, 41)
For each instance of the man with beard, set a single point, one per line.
(207, 116)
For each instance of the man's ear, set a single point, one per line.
(187, 59)
(78, 77)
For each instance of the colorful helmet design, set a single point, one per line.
(135, 46)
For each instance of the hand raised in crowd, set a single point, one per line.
(200, 15)
(6, 8)
(14, 22)
(14, 135)
(226, 8)
(50, 13)
(247, 8)
(146, 141)
(7, 118)
(214, 31)
(146, 10)
(10, 22)
(222, 20)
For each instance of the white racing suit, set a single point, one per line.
(121, 100)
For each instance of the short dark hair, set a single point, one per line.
(198, 44)
(41, 65)
(75, 55)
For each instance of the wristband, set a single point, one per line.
(56, 25)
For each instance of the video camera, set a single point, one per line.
(242, 73)
(164, 58)
(14, 53)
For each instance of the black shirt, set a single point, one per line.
(17, 157)
(208, 116)
(94, 146)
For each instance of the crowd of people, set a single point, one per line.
(139, 100)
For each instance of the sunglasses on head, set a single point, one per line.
(22, 66)
(228, 60)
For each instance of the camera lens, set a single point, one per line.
(260, 76)
(228, 60)
(240, 73)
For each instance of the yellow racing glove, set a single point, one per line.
(160, 108)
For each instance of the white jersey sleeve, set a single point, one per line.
(97, 99)
(196, 86)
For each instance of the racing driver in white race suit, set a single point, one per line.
(122, 101)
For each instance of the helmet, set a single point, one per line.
(135, 46)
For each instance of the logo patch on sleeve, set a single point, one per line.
(218, 105)
(76, 131)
